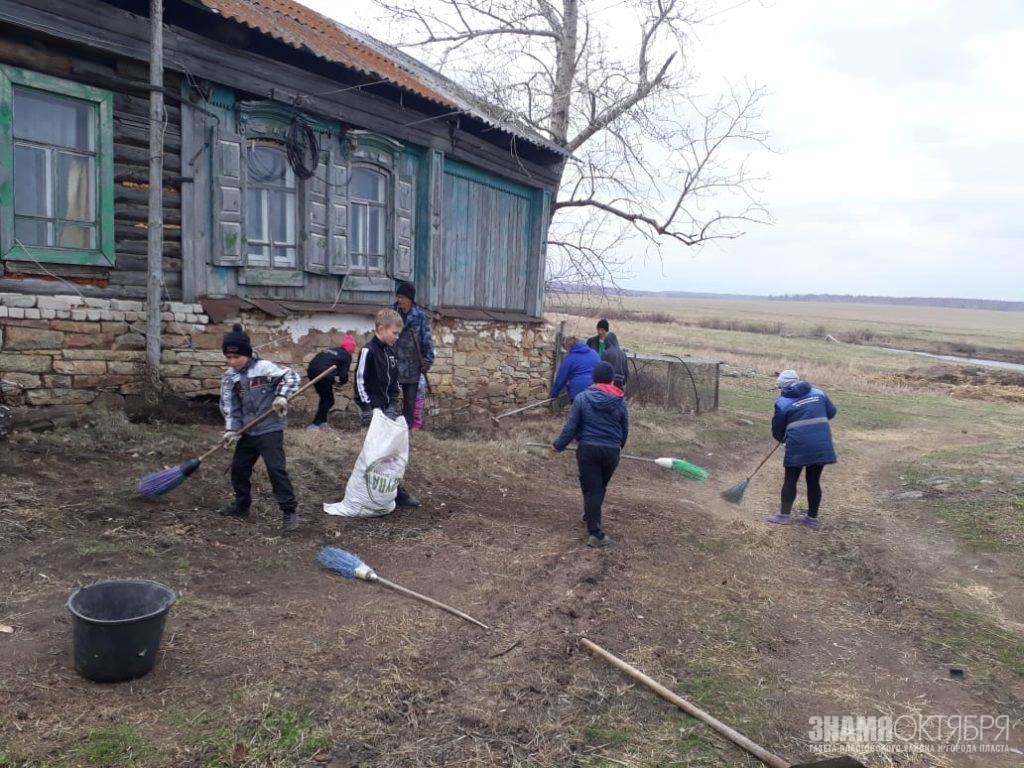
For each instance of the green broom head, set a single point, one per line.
(734, 493)
(684, 468)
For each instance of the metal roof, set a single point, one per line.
(304, 29)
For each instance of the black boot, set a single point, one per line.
(406, 499)
(289, 520)
(235, 509)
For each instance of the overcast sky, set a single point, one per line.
(899, 126)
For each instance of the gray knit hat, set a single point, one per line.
(786, 378)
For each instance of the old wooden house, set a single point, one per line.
(308, 169)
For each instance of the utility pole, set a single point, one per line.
(154, 252)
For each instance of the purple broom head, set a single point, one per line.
(159, 483)
(343, 563)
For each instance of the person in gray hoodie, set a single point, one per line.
(620, 363)
(599, 422)
(249, 387)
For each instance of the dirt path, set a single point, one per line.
(270, 661)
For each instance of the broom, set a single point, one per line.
(350, 566)
(679, 466)
(166, 480)
(734, 493)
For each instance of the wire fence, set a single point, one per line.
(675, 382)
(671, 381)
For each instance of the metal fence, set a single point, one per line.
(672, 381)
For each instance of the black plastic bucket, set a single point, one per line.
(117, 626)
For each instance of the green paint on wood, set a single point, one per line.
(104, 192)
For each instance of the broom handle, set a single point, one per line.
(737, 738)
(266, 413)
(520, 410)
(573, 448)
(428, 600)
(773, 450)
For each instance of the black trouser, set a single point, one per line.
(813, 488)
(597, 464)
(409, 392)
(325, 389)
(271, 447)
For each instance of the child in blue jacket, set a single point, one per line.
(599, 422)
(575, 371)
(801, 421)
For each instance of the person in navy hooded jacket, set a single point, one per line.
(801, 421)
(599, 422)
(575, 372)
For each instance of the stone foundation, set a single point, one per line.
(69, 350)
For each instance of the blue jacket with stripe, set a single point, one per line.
(801, 421)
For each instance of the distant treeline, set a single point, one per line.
(912, 301)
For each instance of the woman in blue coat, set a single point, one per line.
(801, 421)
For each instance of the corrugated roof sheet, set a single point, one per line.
(304, 29)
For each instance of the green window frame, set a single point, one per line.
(103, 191)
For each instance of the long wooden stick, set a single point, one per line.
(427, 600)
(737, 738)
(520, 410)
(246, 427)
(573, 448)
(773, 450)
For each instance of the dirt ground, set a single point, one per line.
(268, 660)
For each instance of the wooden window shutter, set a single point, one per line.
(317, 214)
(405, 202)
(229, 183)
(338, 212)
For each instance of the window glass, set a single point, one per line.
(54, 170)
(51, 119)
(270, 214)
(369, 214)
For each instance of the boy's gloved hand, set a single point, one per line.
(230, 438)
(280, 406)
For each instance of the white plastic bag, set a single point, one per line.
(373, 484)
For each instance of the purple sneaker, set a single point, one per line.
(810, 522)
(778, 518)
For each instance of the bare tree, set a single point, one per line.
(608, 81)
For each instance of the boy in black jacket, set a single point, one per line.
(341, 356)
(599, 422)
(376, 382)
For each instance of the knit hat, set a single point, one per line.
(236, 342)
(786, 378)
(348, 343)
(602, 324)
(408, 290)
(604, 373)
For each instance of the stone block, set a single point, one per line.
(32, 338)
(180, 317)
(167, 317)
(60, 396)
(126, 306)
(117, 316)
(5, 311)
(23, 380)
(115, 328)
(204, 372)
(123, 367)
(171, 369)
(32, 314)
(22, 363)
(15, 313)
(48, 314)
(79, 315)
(56, 381)
(93, 314)
(106, 380)
(184, 385)
(82, 367)
(102, 354)
(95, 303)
(130, 341)
(63, 314)
(89, 340)
(58, 302)
(106, 314)
(19, 300)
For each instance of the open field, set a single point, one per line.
(269, 661)
(967, 332)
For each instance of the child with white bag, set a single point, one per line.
(383, 459)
